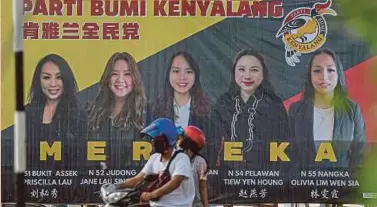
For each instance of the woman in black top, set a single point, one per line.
(325, 114)
(117, 114)
(182, 87)
(183, 98)
(251, 112)
(53, 114)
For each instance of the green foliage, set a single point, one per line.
(361, 18)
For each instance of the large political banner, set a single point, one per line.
(282, 90)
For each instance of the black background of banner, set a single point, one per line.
(214, 49)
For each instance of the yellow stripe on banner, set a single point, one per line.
(88, 57)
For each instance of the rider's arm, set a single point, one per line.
(147, 169)
(168, 187)
(181, 170)
(132, 182)
(201, 169)
(203, 192)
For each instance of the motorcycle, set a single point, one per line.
(127, 197)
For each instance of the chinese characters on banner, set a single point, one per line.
(87, 31)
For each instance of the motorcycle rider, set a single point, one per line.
(180, 189)
(192, 140)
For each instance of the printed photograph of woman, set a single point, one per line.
(325, 113)
(251, 112)
(183, 98)
(53, 114)
(117, 113)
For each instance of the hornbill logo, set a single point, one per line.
(304, 30)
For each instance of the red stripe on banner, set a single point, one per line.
(288, 102)
(362, 84)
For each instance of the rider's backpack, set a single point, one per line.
(162, 179)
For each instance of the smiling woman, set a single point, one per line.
(52, 112)
(183, 98)
(250, 112)
(118, 110)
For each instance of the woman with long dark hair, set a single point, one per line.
(325, 113)
(183, 98)
(53, 113)
(117, 112)
(251, 112)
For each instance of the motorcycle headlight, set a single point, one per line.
(116, 196)
(111, 195)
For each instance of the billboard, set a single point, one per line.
(281, 89)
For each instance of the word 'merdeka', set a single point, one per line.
(142, 149)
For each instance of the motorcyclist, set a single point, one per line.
(179, 190)
(192, 140)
